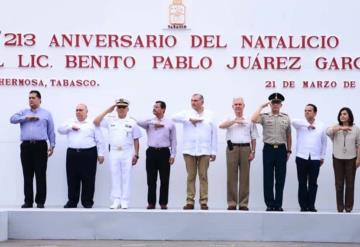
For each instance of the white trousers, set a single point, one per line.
(120, 168)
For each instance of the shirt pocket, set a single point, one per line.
(269, 123)
(284, 124)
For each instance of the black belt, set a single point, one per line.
(241, 144)
(159, 149)
(78, 150)
(33, 141)
(274, 145)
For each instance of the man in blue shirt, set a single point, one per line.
(37, 126)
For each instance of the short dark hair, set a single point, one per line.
(349, 112)
(162, 104)
(313, 106)
(36, 92)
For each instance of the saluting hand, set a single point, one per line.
(311, 127)
(345, 128)
(32, 118)
(265, 104)
(239, 120)
(194, 121)
(158, 125)
(111, 108)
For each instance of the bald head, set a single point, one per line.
(81, 112)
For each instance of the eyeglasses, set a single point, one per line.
(79, 109)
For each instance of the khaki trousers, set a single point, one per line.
(345, 171)
(196, 164)
(238, 176)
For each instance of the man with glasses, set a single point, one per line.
(124, 136)
(277, 149)
(85, 148)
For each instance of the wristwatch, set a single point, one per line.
(136, 156)
(289, 151)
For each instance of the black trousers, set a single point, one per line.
(81, 171)
(307, 172)
(34, 158)
(157, 161)
(274, 163)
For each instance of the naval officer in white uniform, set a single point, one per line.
(124, 136)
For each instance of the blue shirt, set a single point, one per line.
(42, 129)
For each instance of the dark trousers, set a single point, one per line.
(345, 171)
(157, 161)
(307, 173)
(274, 163)
(34, 162)
(81, 171)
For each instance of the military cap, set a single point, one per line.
(276, 98)
(122, 102)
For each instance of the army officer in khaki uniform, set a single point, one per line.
(277, 149)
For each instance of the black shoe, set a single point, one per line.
(304, 210)
(27, 205)
(40, 205)
(312, 210)
(86, 206)
(244, 208)
(150, 206)
(188, 206)
(269, 209)
(70, 205)
(278, 209)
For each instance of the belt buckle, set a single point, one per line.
(276, 146)
(119, 148)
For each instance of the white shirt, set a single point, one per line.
(87, 136)
(310, 142)
(200, 139)
(122, 131)
(241, 133)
